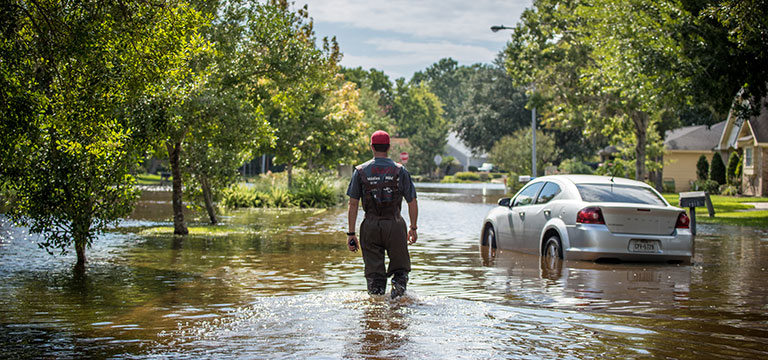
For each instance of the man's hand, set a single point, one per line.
(352, 243)
(412, 236)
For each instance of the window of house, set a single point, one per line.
(748, 157)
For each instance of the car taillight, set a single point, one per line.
(590, 215)
(683, 221)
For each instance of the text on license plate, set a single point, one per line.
(644, 246)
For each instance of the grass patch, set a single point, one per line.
(729, 210)
(209, 230)
(150, 179)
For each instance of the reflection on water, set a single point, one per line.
(288, 288)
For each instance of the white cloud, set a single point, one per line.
(441, 19)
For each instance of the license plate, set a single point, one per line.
(644, 246)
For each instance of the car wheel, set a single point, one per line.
(552, 248)
(488, 245)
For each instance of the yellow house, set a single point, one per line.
(750, 137)
(682, 149)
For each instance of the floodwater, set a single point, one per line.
(283, 285)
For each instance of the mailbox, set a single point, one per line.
(693, 199)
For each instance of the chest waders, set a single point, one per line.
(383, 230)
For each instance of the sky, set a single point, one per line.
(401, 37)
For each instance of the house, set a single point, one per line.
(682, 149)
(750, 138)
(463, 154)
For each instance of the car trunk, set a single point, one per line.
(639, 219)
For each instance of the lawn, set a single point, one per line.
(150, 179)
(729, 210)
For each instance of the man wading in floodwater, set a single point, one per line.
(382, 184)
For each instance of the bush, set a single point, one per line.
(468, 176)
(668, 185)
(717, 169)
(472, 168)
(496, 175)
(733, 163)
(574, 166)
(314, 190)
(702, 168)
(512, 184)
(709, 186)
(730, 190)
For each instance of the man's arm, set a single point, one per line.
(352, 220)
(413, 214)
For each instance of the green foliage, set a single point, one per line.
(733, 162)
(418, 115)
(709, 186)
(492, 107)
(472, 168)
(467, 176)
(717, 169)
(702, 168)
(513, 152)
(574, 166)
(68, 73)
(446, 79)
(314, 190)
(730, 190)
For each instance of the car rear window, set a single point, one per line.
(619, 193)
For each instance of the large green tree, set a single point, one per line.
(68, 72)
(418, 115)
(492, 108)
(513, 152)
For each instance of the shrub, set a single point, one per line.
(314, 190)
(730, 190)
(448, 179)
(496, 175)
(574, 166)
(472, 168)
(668, 185)
(717, 169)
(467, 176)
(280, 197)
(733, 163)
(702, 168)
(238, 196)
(709, 186)
(512, 184)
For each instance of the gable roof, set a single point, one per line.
(455, 142)
(697, 137)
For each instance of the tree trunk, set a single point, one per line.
(289, 170)
(208, 197)
(641, 133)
(179, 228)
(81, 226)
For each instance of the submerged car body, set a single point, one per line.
(587, 217)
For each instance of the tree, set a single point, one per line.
(445, 79)
(418, 116)
(717, 169)
(492, 108)
(375, 80)
(702, 168)
(733, 163)
(70, 70)
(602, 66)
(513, 152)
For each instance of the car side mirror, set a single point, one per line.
(505, 201)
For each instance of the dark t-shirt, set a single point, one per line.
(355, 189)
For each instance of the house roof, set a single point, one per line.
(455, 142)
(759, 125)
(698, 137)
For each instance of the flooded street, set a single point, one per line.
(281, 284)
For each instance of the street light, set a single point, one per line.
(496, 28)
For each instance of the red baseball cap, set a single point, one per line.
(380, 137)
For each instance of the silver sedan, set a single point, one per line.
(587, 217)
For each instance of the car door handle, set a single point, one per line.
(522, 214)
(547, 213)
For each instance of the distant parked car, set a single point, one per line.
(589, 217)
(487, 167)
